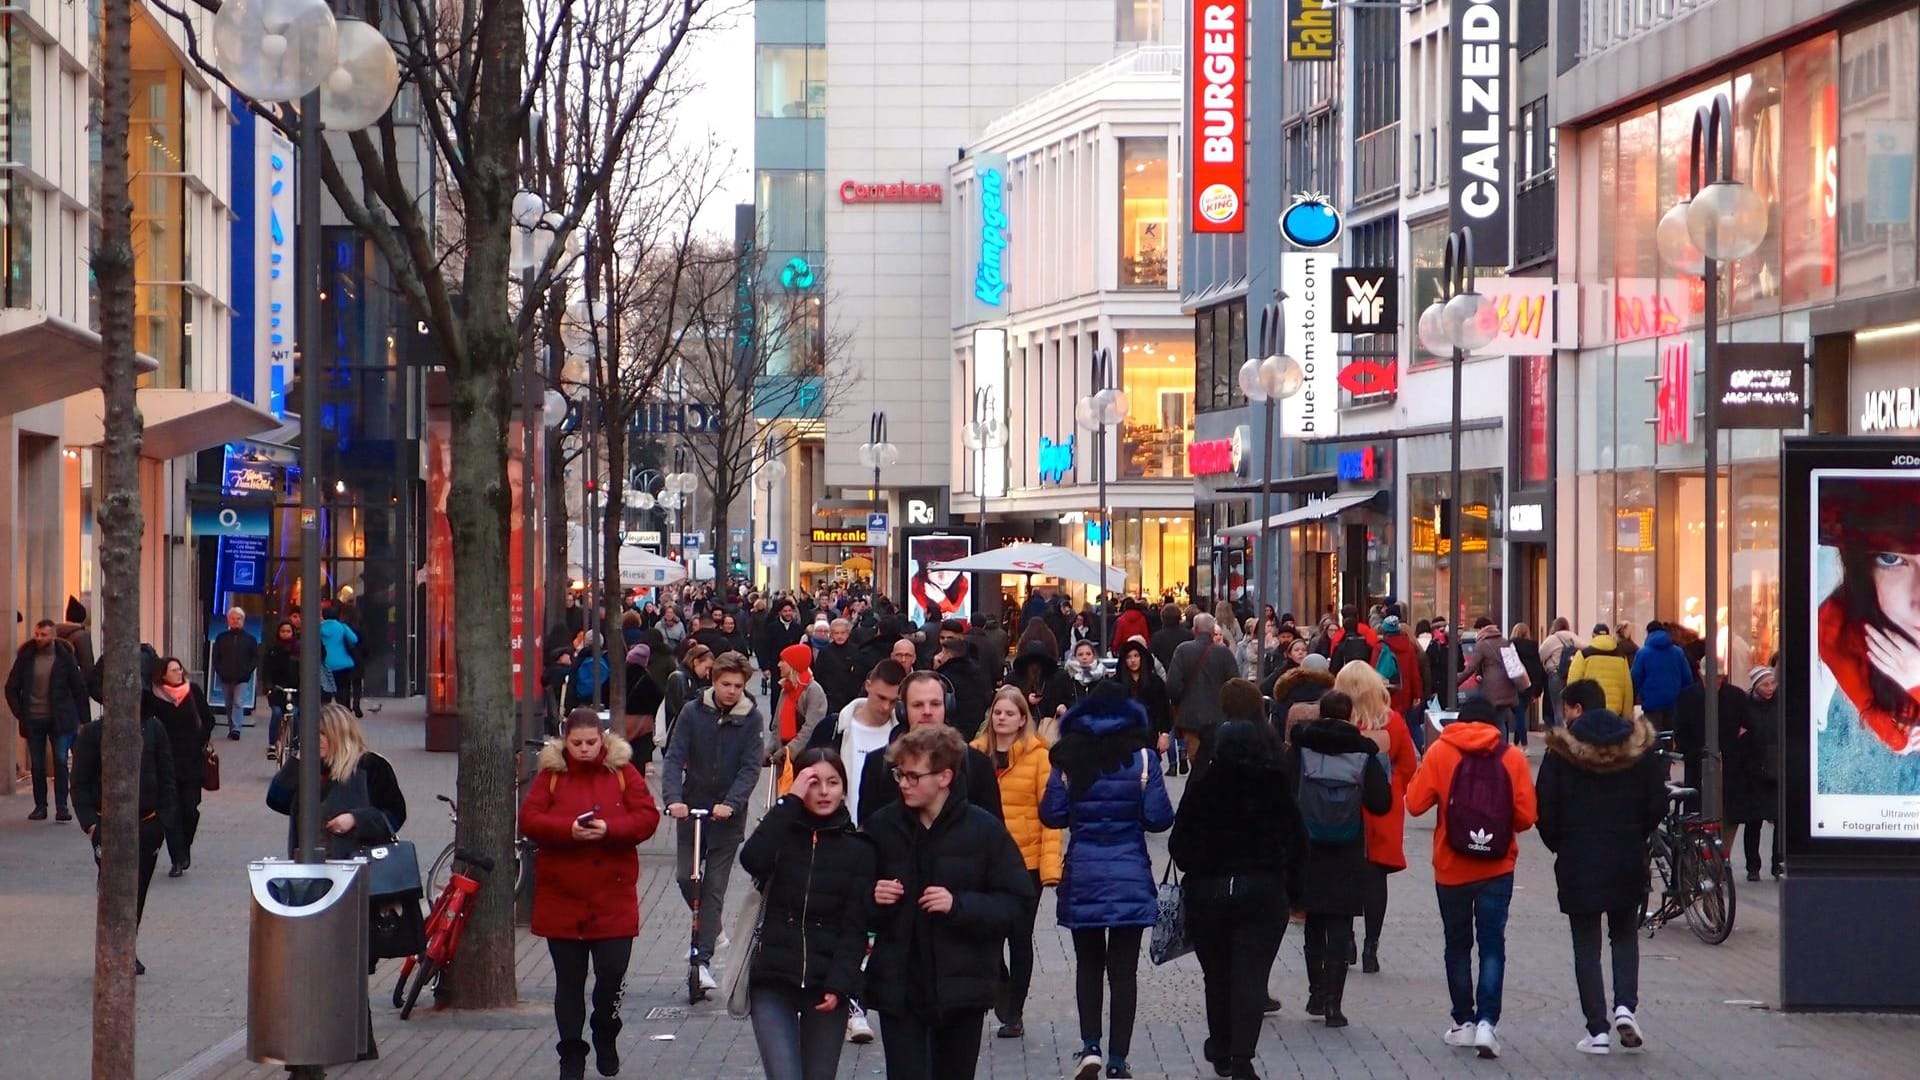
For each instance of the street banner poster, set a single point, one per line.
(1851, 570)
(1480, 151)
(1306, 282)
(938, 594)
(1218, 167)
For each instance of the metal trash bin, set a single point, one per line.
(306, 962)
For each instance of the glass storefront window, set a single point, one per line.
(1635, 569)
(793, 209)
(1754, 629)
(790, 81)
(157, 146)
(1153, 547)
(1431, 562)
(1143, 213)
(1644, 304)
(1879, 95)
(1753, 284)
(1809, 194)
(1156, 371)
(1635, 401)
(1428, 243)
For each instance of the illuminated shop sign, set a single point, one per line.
(1211, 457)
(1897, 409)
(1526, 518)
(274, 327)
(990, 274)
(1673, 402)
(1480, 151)
(1306, 282)
(840, 536)
(897, 191)
(1219, 95)
(1310, 30)
(1761, 386)
(1056, 459)
(1362, 465)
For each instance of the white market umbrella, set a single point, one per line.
(638, 566)
(1048, 560)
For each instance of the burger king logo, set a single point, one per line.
(1219, 203)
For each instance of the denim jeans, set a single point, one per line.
(1470, 914)
(235, 714)
(276, 715)
(47, 751)
(797, 1041)
(1505, 717)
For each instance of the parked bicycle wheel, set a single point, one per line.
(1710, 881)
(421, 976)
(441, 873)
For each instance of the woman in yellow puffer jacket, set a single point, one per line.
(1020, 761)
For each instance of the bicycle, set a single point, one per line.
(443, 929)
(523, 848)
(1688, 861)
(288, 741)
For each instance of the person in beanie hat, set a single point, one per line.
(1753, 770)
(802, 704)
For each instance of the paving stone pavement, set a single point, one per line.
(1704, 1007)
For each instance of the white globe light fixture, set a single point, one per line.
(771, 474)
(641, 500)
(1432, 329)
(276, 50)
(553, 408)
(1281, 376)
(1727, 220)
(1249, 380)
(880, 455)
(365, 77)
(1113, 404)
(1470, 321)
(1675, 241)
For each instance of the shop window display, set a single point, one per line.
(1483, 527)
(1144, 222)
(1156, 371)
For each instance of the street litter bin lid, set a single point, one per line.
(297, 890)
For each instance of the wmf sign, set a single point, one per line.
(1366, 300)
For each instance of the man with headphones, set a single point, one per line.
(926, 698)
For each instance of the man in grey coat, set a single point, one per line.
(1199, 669)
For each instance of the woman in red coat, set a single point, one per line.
(588, 809)
(1386, 833)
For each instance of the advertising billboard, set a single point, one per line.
(1850, 670)
(1306, 281)
(1480, 152)
(938, 594)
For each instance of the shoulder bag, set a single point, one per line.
(395, 925)
(753, 913)
(1170, 939)
(210, 769)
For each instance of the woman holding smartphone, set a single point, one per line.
(589, 810)
(817, 876)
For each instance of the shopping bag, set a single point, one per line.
(1170, 940)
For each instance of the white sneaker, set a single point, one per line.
(1090, 1065)
(859, 1032)
(1460, 1034)
(1627, 1028)
(706, 978)
(1596, 1044)
(1485, 1043)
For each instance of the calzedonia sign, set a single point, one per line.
(991, 234)
(1482, 160)
(898, 191)
(1219, 93)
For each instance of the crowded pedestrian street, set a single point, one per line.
(1706, 1009)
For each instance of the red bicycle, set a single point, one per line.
(443, 929)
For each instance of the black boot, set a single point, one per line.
(1370, 957)
(1216, 1055)
(1242, 1069)
(606, 1051)
(1316, 994)
(573, 1059)
(1333, 983)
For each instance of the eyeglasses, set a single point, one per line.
(909, 779)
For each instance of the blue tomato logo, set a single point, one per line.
(1311, 222)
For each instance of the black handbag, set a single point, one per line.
(396, 927)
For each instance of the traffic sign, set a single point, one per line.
(769, 553)
(876, 530)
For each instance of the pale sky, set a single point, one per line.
(721, 63)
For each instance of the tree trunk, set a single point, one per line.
(477, 505)
(612, 591)
(723, 544)
(116, 919)
(553, 501)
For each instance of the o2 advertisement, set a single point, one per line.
(938, 594)
(1851, 564)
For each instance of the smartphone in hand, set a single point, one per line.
(586, 819)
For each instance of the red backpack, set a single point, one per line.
(1480, 806)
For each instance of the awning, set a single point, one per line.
(177, 422)
(44, 359)
(1313, 511)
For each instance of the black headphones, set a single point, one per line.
(900, 706)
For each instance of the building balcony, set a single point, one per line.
(1607, 23)
(1376, 165)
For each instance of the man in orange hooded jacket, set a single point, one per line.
(1475, 891)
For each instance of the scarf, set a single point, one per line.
(1085, 674)
(175, 694)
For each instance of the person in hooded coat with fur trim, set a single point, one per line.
(1602, 791)
(589, 810)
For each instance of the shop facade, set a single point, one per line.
(1825, 132)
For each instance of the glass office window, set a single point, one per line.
(793, 209)
(1428, 242)
(1879, 96)
(1137, 20)
(790, 81)
(1143, 213)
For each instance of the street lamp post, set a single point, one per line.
(1722, 219)
(877, 453)
(344, 74)
(987, 433)
(680, 484)
(1271, 377)
(1456, 324)
(1096, 412)
(772, 471)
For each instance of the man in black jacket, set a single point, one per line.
(157, 795)
(972, 683)
(840, 667)
(713, 763)
(236, 656)
(924, 696)
(1171, 635)
(47, 692)
(951, 888)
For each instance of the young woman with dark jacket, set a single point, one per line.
(1108, 793)
(589, 809)
(1337, 872)
(686, 684)
(816, 874)
(279, 673)
(183, 711)
(1239, 841)
(1036, 671)
(1143, 685)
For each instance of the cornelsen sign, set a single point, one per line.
(1219, 92)
(1482, 162)
(902, 191)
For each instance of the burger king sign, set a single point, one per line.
(1219, 96)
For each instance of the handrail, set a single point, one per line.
(1145, 60)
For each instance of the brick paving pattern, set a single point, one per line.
(1696, 1000)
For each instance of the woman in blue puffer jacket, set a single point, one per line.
(1107, 792)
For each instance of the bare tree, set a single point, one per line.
(116, 919)
(473, 68)
(766, 368)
